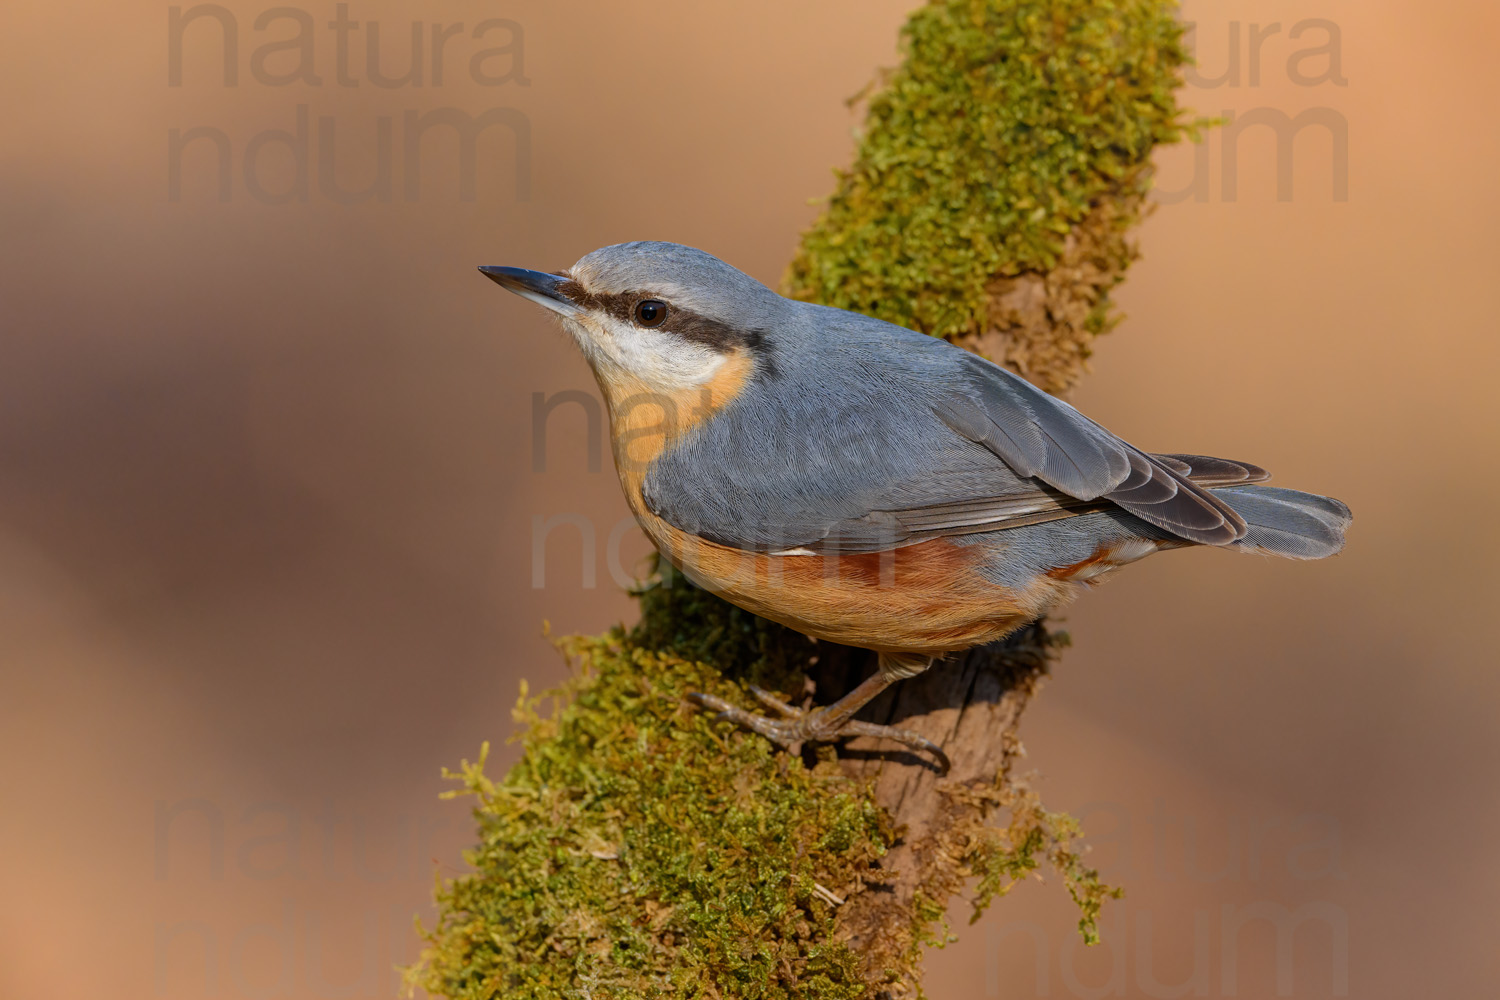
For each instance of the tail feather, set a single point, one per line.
(1286, 522)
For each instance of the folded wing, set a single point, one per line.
(898, 438)
(1042, 437)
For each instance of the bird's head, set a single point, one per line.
(656, 317)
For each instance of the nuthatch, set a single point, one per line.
(870, 485)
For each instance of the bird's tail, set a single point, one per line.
(1286, 522)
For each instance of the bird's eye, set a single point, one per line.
(651, 312)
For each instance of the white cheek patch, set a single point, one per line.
(659, 359)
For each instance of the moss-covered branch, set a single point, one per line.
(639, 849)
(1000, 168)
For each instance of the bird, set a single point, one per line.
(871, 485)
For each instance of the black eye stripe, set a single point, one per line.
(620, 305)
(684, 323)
(702, 330)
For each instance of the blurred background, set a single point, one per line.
(273, 542)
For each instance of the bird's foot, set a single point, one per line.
(819, 725)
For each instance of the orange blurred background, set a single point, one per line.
(267, 510)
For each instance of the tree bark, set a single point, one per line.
(970, 704)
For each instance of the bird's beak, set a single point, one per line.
(540, 287)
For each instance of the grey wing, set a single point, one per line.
(1044, 438)
(899, 438)
(1034, 506)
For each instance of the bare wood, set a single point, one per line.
(970, 704)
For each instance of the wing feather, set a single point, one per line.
(1015, 510)
(917, 439)
(1066, 450)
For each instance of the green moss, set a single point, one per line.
(1004, 125)
(1002, 857)
(1007, 124)
(686, 621)
(639, 849)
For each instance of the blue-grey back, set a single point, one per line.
(838, 422)
(858, 434)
